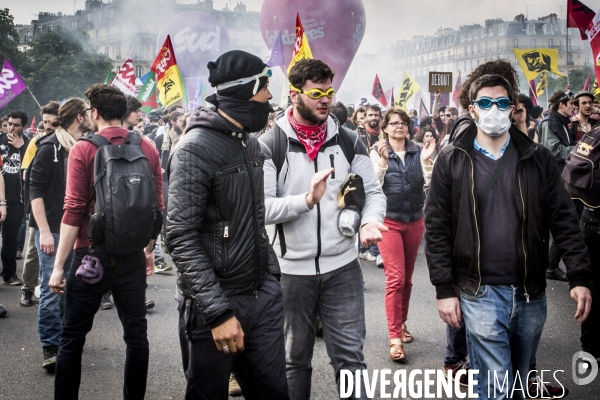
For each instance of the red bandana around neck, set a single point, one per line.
(312, 137)
(371, 131)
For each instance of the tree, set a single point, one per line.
(60, 64)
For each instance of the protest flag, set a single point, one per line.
(579, 16)
(409, 88)
(125, 79)
(33, 125)
(532, 92)
(389, 96)
(275, 57)
(423, 109)
(541, 86)
(595, 90)
(109, 78)
(535, 61)
(586, 85)
(456, 94)
(170, 88)
(301, 47)
(11, 84)
(378, 91)
(147, 94)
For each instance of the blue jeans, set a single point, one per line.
(374, 249)
(125, 275)
(456, 344)
(52, 306)
(158, 250)
(503, 334)
(338, 296)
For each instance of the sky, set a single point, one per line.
(387, 20)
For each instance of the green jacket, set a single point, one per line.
(548, 139)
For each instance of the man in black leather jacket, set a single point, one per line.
(230, 300)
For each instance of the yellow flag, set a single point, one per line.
(535, 61)
(540, 88)
(301, 47)
(595, 90)
(409, 88)
(170, 87)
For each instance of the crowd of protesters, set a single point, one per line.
(266, 213)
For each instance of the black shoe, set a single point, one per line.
(557, 274)
(13, 280)
(50, 354)
(26, 298)
(149, 304)
(318, 328)
(2, 311)
(105, 303)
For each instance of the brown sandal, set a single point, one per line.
(406, 336)
(397, 352)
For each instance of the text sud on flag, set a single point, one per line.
(170, 88)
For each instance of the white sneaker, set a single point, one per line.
(367, 255)
(379, 261)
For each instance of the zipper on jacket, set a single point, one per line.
(256, 243)
(475, 216)
(226, 232)
(523, 240)
(332, 162)
(317, 268)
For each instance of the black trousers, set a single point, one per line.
(125, 276)
(590, 329)
(259, 369)
(10, 233)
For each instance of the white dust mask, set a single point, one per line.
(494, 122)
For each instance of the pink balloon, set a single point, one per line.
(334, 29)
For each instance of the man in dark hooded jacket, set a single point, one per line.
(230, 300)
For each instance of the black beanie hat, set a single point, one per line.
(233, 65)
(536, 111)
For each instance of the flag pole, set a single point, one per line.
(546, 75)
(36, 102)
(567, 63)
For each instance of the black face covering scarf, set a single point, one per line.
(559, 124)
(253, 115)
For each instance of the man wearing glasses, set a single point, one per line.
(492, 242)
(556, 135)
(320, 268)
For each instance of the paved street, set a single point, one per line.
(21, 375)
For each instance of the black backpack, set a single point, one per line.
(126, 215)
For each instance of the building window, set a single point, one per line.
(548, 29)
(497, 45)
(551, 42)
(532, 42)
(118, 52)
(501, 30)
(89, 17)
(570, 44)
(491, 32)
(138, 71)
(570, 57)
(531, 29)
(516, 43)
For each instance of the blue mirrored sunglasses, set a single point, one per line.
(485, 103)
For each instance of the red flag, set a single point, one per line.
(586, 85)
(378, 92)
(33, 126)
(422, 109)
(389, 96)
(579, 16)
(533, 92)
(125, 79)
(444, 100)
(456, 94)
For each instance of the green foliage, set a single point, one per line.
(60, 64)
